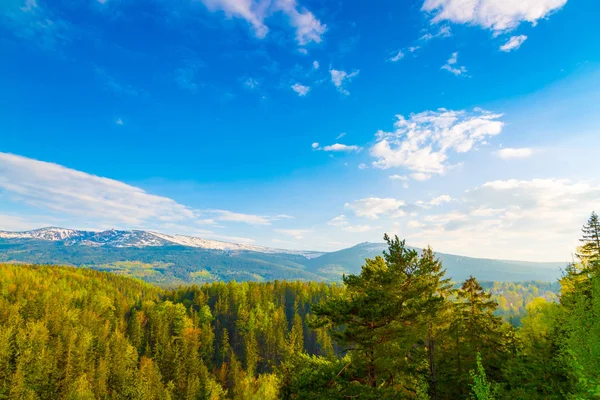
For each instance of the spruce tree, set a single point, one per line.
(589, 251)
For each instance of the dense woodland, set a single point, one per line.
(398, 330)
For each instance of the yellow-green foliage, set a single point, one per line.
(202, 275)
(76, 333)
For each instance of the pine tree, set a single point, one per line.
(578, 274)
(590, 250)
(380, 316)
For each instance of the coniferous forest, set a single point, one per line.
(401, 329)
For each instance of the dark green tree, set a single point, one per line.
(381, 317)
(590, 248)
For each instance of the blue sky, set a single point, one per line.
(471, 126)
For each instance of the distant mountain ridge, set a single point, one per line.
(177, 259)
(138, 238)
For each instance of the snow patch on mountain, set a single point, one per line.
(138, 238)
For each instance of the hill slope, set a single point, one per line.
(175, 259)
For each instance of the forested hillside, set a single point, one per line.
(170, 265)
(399, 329)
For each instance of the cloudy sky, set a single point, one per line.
(471, 126)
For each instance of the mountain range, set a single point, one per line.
(177, 259)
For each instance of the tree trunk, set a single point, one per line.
(371, 369)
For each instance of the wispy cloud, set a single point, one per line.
(103, 201)
(443, 32)
(341, 221)
(340, 78)
(116, 87)
(436, 201)
(251, 83)
(10, 222)
(508, 153)
(396, 56)
(33, 21)
(119, 121)
(339, 147)
(186, 76)
(297, 234)
(452, 65)
(223, 215)
(308, 28)
(513, 43)
(57, 188)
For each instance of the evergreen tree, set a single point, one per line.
(474, 330)
(380, 315)
(590, 249)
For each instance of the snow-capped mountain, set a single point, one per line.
(138, 238)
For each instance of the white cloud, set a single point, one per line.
(397, 56)
(341, 135)
(302, 50)
(251, 83)
(397, 177)
(495, 219)
(57, 188)
(513, 43)
(300, 89)
(497, 15)
(436, 201)
(360, 228)
(250, 219)
(297, 234)
(254, 12)
(452, 66)
(420, 176)
(362, 166)
(414, 224)
(342, 221)
(308, 27)
(341, 147)
(17, 223)
(339, 79)
(509, 153)
(315, 145)
(119, 121)
(315, 64)
(102, 201)
(422, 142)
(374, 207)
(443, 32)
(486, 212)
